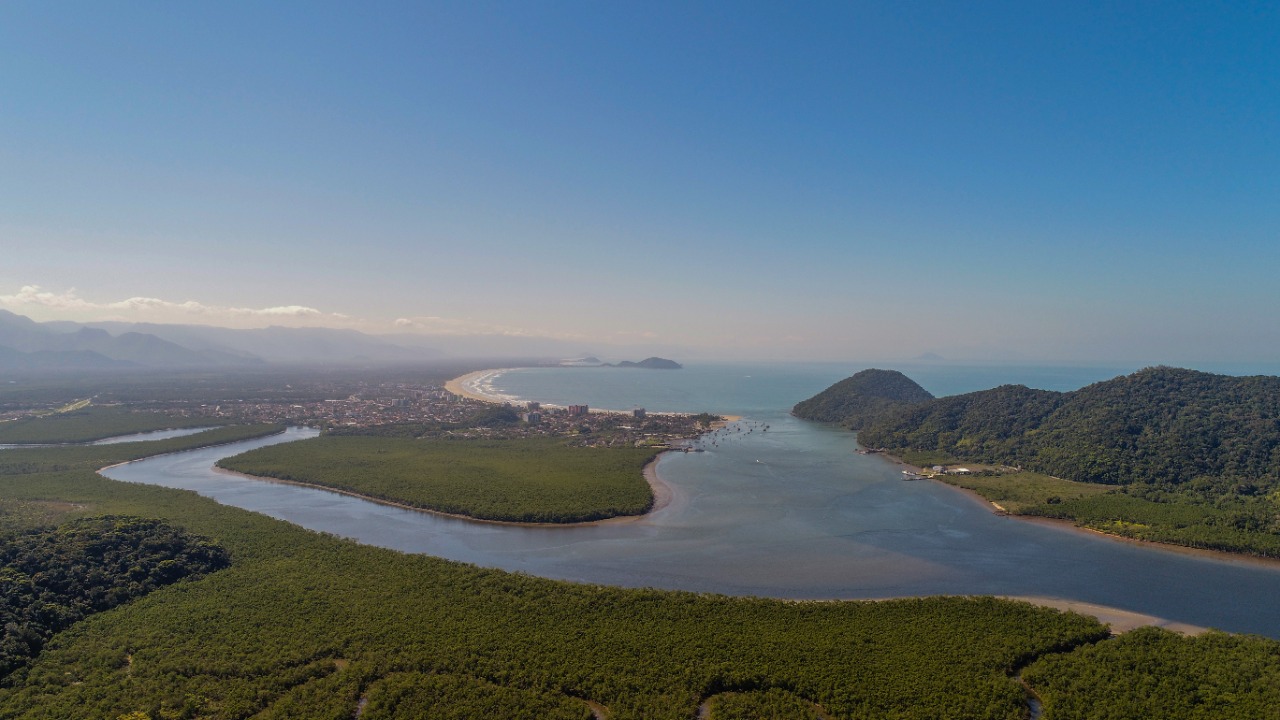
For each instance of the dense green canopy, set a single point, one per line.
(1161, 425)
(856, 400)
(51, 578)
(538, 479)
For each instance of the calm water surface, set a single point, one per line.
(792, 512)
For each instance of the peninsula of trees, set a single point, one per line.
(1193, 457)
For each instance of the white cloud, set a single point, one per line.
(69, 305)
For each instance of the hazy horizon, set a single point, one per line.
(1004, 183)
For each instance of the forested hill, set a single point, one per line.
(856, 400)
(1160, 426)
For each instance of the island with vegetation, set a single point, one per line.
(535, 479)
(1165, 454)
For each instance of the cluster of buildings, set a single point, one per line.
(367, 406)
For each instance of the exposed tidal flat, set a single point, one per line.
(792, 512)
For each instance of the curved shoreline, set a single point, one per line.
(190, 449)
(465, 386)
(1071, 526)
(1120, 620)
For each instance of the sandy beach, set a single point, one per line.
(478, 385)
(1121, 621)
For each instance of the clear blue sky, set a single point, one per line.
(1057, 181)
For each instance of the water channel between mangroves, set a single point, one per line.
(792, 512)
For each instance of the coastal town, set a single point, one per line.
(421, 409)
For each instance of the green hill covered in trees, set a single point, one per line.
(1160, 426)
(1194, 456)
(868, 395)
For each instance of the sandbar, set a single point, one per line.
(1121, 621)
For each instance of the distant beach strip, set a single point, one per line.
(478, 385)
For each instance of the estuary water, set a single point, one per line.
(790, 512)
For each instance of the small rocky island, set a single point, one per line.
(652, 363)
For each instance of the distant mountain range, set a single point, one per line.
(30, 346)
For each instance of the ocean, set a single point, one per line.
(752, 389)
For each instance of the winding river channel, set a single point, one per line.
(792, 512)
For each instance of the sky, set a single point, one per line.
(1038, 181)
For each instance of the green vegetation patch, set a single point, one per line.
(1240, 525)
(92, 423)
(774, 703)
(422, 696)
(521, 480)
(1212, 434)
(862, 398)
(924, 458)
(1153, 673)
(52, 578)
(34, 513)
(1018, 492)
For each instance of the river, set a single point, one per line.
(790, 512)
